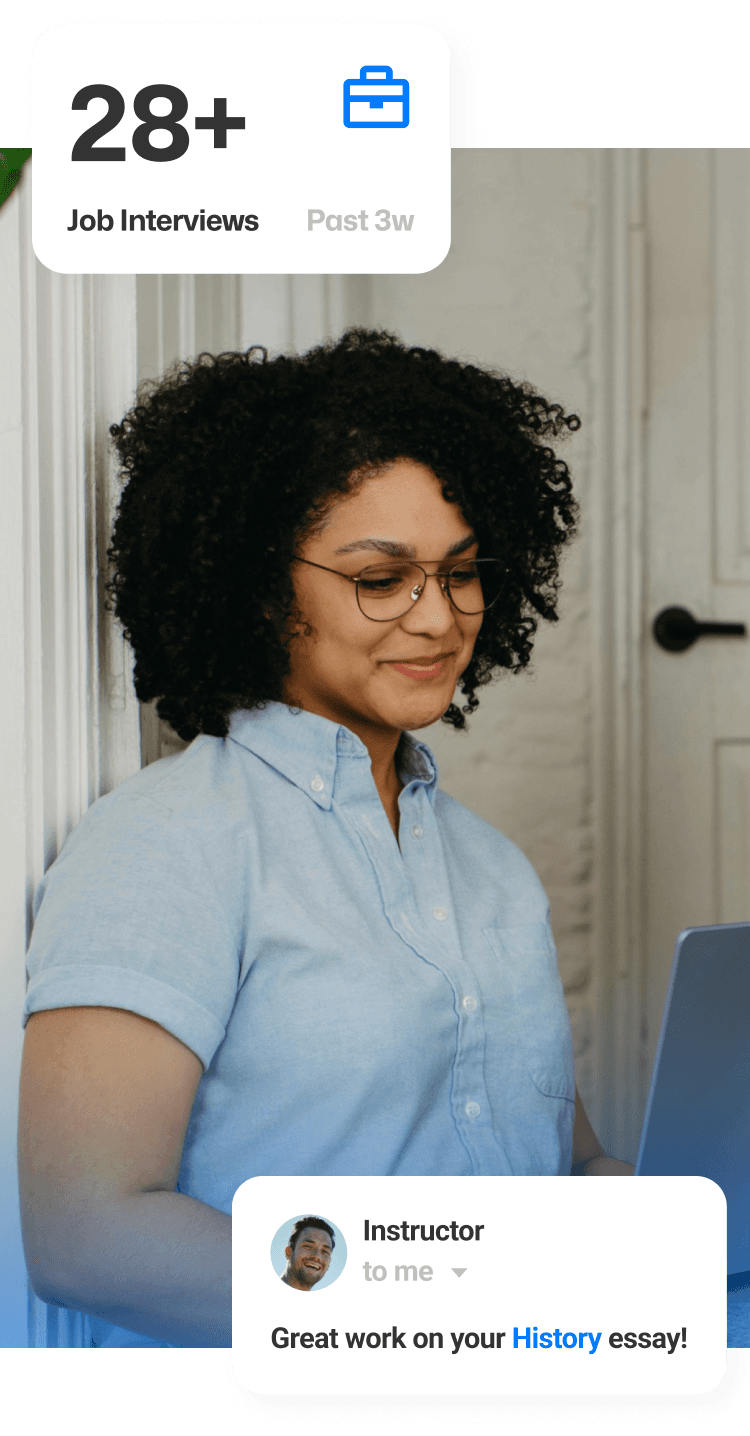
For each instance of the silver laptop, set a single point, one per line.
(697, 1120)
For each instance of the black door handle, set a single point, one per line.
(675, 629)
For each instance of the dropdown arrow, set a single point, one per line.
(459, 1270)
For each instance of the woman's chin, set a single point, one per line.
(424, 710)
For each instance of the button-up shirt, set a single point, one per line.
(360, 1004)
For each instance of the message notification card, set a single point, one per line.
(225, 149)
(440, 1285)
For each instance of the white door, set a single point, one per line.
(697, 525)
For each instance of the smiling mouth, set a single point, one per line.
(419, 662)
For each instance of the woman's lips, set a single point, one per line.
(420, 670)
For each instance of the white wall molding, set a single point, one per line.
(81, 713)
(620, 379)
(71, 342)
(13, 796)
(111, 357)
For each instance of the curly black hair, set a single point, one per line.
(317, 1222)
(231, 460)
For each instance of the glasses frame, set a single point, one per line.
(443, 579)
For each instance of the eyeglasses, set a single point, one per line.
(389, 590)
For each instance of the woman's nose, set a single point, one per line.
(432, 604)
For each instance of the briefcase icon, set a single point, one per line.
(375, 101)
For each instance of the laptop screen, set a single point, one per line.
(697, 1120)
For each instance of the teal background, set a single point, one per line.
(648, 72)
(586, 72)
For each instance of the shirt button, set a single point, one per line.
(469, 1003)
(439, 914)
(417, 831)
(472, 1110)
(317, 784)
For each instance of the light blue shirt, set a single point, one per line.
(360, 1005)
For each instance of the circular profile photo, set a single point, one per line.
(308, 1252)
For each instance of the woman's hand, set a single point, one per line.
(588, 1151)
(105, 1100)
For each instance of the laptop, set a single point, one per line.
(697, 1120)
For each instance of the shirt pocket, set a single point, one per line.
(528, 962)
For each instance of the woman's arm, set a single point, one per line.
(588, 1150)
(105, 1101)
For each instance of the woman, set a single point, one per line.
(285, 950)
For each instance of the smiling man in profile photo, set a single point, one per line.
(308, 1255)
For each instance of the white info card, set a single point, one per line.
(236, 149)
(425, 1285)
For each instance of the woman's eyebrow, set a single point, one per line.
(402, 550)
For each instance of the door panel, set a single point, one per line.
(731, 336)
(698, 525)
(733, 831)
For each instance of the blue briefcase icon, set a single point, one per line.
(375, 101)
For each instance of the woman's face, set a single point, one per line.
(372, 675)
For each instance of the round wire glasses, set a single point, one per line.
(389, 590)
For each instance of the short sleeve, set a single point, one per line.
(130, 916)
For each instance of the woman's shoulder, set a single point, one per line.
(181, 813)
(185, 785)
(143, 909)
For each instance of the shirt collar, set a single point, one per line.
(306, 749)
